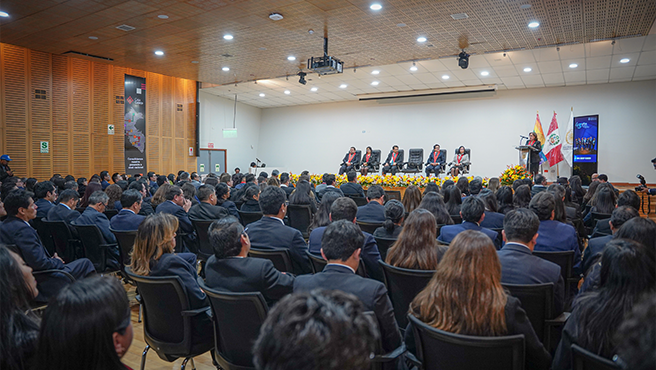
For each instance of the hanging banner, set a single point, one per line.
(135, 125)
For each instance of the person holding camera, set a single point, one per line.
(643, 187)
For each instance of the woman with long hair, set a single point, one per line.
(603, 201)
(153, 256)
(394, 215)
(460, 161)
(223, 198)
(453, 201)
(303, 195)
(533, 155)
(522, 196)
(417, 247)
(463, 185)
(411, 198)
(493, 184)
(505, 199)
(431, 186)
(19, 329)
(592, 189)
(434, 204)
(465, 297)
(322, 217)
(160, 195)
(86, 326)
(251, 200)
(578, 193)
(114, 193)
(92, 187)
(445, 186)
(368, 161)
(626, 274)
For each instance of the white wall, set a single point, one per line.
(216, 114)
(316, 137)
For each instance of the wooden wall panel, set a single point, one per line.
(75, 101)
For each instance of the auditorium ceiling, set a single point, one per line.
(191, 35)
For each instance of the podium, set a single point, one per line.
(523, 154)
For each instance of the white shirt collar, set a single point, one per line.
(276, 218)
(523, 245)
(129, 210)
(69, 208)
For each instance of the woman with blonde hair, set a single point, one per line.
(153, 256)
(160, 195)
(417, 247)
(465, 297)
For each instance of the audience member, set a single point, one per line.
(5, 171)
(188, 191)
(627, 198)
(505, 198)
(104, 179)
(322, 217)
(394, 215)
(330, 186)
(431, 186)
(87, 326)
(445, 185)
(472, 213)
(326, 330)
(592, 189)
(271, 231)
(273, 181)
(540, 185)
(93, 215)
(493, 184)
(433, 203)
(230, 268)
(146, 207)
(195, 180)
(578, 193)
(223, 199)
(46, 195)
(416, 247)
(636, 337)
(65, 210)
(177, 205)
(493, 219)
(475, 186)
(82, 185)
(128, 218)
(596, 245)
(518, 265)
(285, 185)
(465, 297)
(522, 196)
(602, 202)
(412, 198)
(341, 246)
(625, 276)
(352, 187)
(463, 185)
(373, 212)
(207, 209)
(453, 200)
(90, 189)
(251, 200)
(160, 195)
(302, 195)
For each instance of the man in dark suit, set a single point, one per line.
(352, 187)
(65, 210)
(285, 185)
(554, 236)
(146, 207)
(472, 212)
(15, 230)
(341, 246)
(518, 264)
(177, 205)
(596, 245)
(330, 186)
(493, 219)
(345, 209)
(128, 218)
(351, 159)
(230, 268)
(46, 195)
(393, 162)
(207, 209)
(539, 186)
(271, 231)
(93, 215)
(104, 177)
(435, 162)
(374, 211)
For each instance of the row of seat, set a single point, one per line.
(415, 161)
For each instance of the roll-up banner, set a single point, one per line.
(135, 125)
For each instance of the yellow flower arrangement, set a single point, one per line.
(513, 173)
(390, 181)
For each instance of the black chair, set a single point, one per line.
(237, 318)
(457, 219)
(368, 227)
(383, 246)
(582, 359)
(167, 319)
(95, 248)
(111, 213)
(392, 194)
(375, 159)
(318, 263)
(442, 168)
(438, 349)
(415, 161)
(44, 233)
(538, 302)
(280, 257)
(300, 217)
(565, 260)
(358, 155)
(65, 244)
(465, 169)
(125, 240)
(249, 217)
(205, 249)
(384, 361)
(403, 285)
(593, 221)
(359, 201)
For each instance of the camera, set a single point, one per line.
(643, 183)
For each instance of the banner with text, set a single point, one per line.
(135, 125)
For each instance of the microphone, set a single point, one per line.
(523, 137)
(257, 159)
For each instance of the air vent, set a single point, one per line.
(179, 107)
(125, 27)
(459, 16)
(226, 55)
(120, 99)
(40, 94)
(87, 55)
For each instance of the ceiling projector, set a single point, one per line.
(325, 65)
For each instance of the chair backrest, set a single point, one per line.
(125, 241)
(249, 217)
(392, 194)
(375, 156)
(300, 217)
(403, 285)
(163, 300)
(61, 237)
(564, 259)
(457, 219)
(44, 234)
(92, 243)
(237, 321)
(318, 263)
(358, 154)
(582, 359)
(538, 302)
(368, 227)
(359, 201)
(205, 249)
(111, 213)
(438, 349)
(415, 157)
(383, 246)
(599, 216)
(279, 256)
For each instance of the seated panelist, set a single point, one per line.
(368, 162)
(460, 161)
(350, 160)
(435, 161)
(393, 162)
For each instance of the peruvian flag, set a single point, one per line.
(552, 144)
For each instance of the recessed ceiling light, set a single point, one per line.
(401, 25)
(225, 69)
(93, 37)
(287, 92)
(413, 68)
(194, 61)
(375, 83)
(525, 6)
(291, 58)
(573, 65)
(159, 52)
(485, 73)
(528, 69)
(421, 39)
(375, 72)
(445, 77)
(314, 89)
(376, 7)
(228, 37)
(4, 14)
(534, 24)
(262, 95)
(343, 86)
(163, 16)
(275, 16)
(625, 60)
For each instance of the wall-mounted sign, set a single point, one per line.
(110, 129)
(201, 167)
(45, 147)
